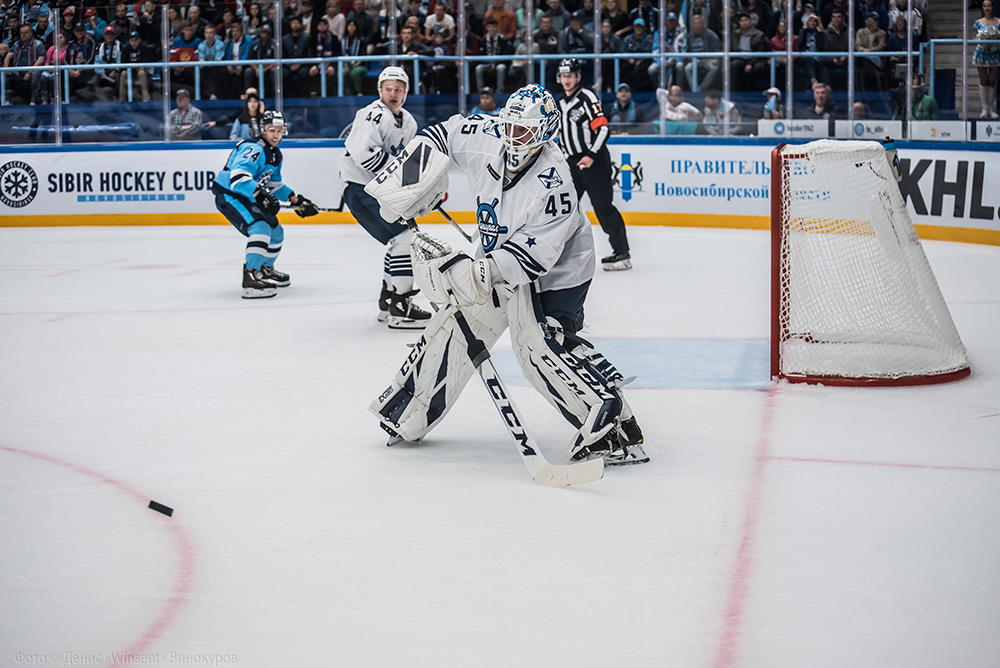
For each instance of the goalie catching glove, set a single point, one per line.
(305, 208)
(411, 185)
(454, 279)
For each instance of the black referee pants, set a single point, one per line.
(596, 181)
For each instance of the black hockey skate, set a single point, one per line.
(256, 286)
(279, 278)
(404, 314)
(620, 447)
(617, 262)
(384, 299)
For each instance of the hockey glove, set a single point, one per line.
(305, 208)
(268, 202)
(454, 279)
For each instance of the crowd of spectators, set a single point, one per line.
(236, 31)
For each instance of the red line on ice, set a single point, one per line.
(739, 577)
(182, 543)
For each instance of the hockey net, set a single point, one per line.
(854, 300)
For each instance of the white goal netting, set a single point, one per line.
(856, 296)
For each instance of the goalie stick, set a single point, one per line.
(541, 470)
(468, 237)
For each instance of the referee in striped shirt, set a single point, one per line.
(583, 137)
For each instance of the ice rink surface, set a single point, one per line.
(775, 526)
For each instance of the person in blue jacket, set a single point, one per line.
(248, 192)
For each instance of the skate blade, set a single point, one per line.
(254, 293)
(395, 322)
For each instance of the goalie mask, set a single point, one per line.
(529, 120)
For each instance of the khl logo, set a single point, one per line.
(489, 226)
(18, 184)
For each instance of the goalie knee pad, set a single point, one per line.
(437, 369)
(574, 387)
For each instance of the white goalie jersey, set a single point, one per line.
(532, 226)
(376, 137)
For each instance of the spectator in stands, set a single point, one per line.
(44, 30)
(211, 49)
(353, 45)
(247, 122)
(212, 11)
(702, 40)
(624, 115)
(748, 73)
(867, 7)
(896, 41)
(493, 44)
(27, 52)
(812, 40)
(95, 24)
(81, 51)
(104, 82)
(440, 76)
(148, 23)
(826, 16)
(772, 109)
(407, 44)
(528, 27)
(635, 71)
(610, 43)
(823, 106)
(237, 49)
(338, 21)
(649, 14)
(309, 19)
(506, 20)
(195, 18)
(474, 23)
(298, 78)
(870, 39)
(675, 41)
(51, 57)
(487, 103)
(222, 29)
(440, 21)
(759, 13)
(716, 112)
(327, 46)
(174, 21)
(546, 41)
(925, 107)
(986, 58)
(413, 10)
(779, 43)
(860, 110)
(560, 16)
(254, 20)
(837, 38)
(674, 108)
(136, 52)
(620, 23)
(261, 48)
(123, 23)
(66, 28)
(899, 9)
(183, 49)
(575, 41)
(185, 120)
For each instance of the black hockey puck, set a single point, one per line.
(160, 508)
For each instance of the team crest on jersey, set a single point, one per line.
(489, 226)
(395, 150)
(491, 128)
(550, 178)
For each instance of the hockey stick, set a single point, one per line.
(541, 470)
(321, 209)
(453, 223)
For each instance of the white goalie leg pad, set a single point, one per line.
(437, 369)
(413, 184)
(570, 383)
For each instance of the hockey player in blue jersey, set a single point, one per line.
(531, 273)
(248, 192)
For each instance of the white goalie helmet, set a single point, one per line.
(529, 119)
(394, 73)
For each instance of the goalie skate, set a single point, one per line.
(620, 447)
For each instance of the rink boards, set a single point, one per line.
(952, 190)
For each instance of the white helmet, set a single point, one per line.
(394, 73)
(529, 120)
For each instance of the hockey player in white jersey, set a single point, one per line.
(378, 133)
(532, 272)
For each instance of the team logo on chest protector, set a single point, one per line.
(489, 226)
